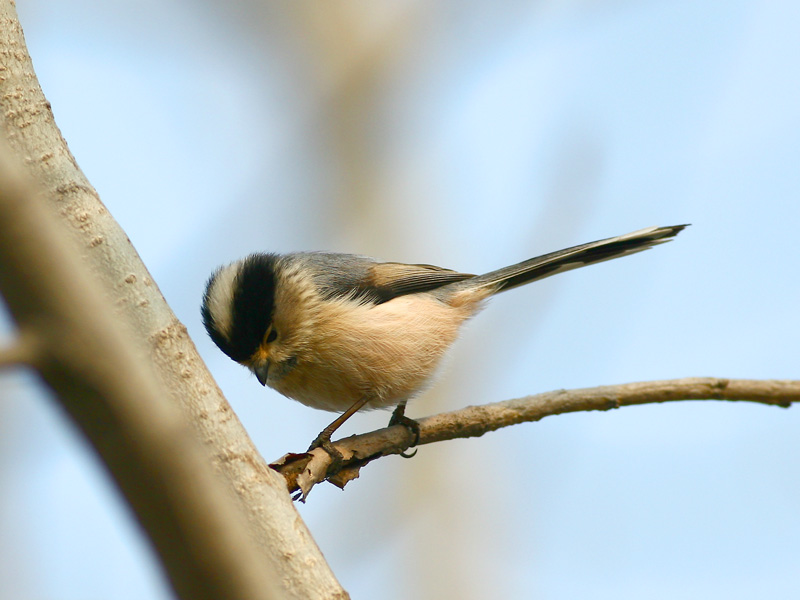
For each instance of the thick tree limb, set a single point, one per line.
(22, 351)
(303, 471)
(284, 542)
(107, 388)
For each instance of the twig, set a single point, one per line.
(303, 471)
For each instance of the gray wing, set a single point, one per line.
(390, 280)
(373, 282)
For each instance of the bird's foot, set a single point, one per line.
(323, 440)
(399, 418)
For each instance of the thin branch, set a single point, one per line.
(303, 471)
(476, 420)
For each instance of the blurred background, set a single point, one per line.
(469, 135)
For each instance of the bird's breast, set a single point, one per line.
(386, 351)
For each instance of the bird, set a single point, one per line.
(344, 333)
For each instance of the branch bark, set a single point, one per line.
(285, 545)
(70, 336)
(21, 352)
(303, 471)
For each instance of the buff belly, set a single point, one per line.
(387, 352)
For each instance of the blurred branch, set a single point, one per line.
(283, 544)
(303, 471)
(21, 351)
(105, 386)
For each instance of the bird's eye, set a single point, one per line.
(272, 336)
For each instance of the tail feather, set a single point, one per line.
(573, 258)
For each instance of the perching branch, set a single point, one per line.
(303, 471)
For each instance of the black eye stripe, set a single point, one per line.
(253, 302)
(251, 307)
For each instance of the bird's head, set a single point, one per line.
(238, 312)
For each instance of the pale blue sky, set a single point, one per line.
(492, 137)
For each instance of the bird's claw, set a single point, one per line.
(323, 440)
(399, 418)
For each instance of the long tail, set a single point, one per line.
(574, 258)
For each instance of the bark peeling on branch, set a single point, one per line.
(303, 471)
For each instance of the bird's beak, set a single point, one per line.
(262, 372)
